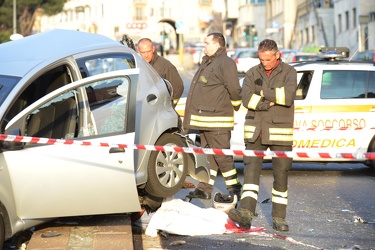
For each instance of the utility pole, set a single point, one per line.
(14, 17)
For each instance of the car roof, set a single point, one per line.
(337, 65)
(249, 48)
(18, 57)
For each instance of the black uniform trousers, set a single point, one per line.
(219, 139)
(252, 170)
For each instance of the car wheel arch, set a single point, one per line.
(371, 149)
(5, 228)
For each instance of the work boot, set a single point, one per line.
(236, 190)
(279, 224)
(197, 193)
(241, 216)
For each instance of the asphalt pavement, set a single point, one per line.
(330, 207)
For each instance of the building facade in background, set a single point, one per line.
(294, 24)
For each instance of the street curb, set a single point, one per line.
(93, 232)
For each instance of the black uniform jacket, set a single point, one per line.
(214, 94)
(273, 123)
(168, 71)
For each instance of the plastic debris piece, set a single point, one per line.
(355, 247)
(357, 219)
(266, 200)
(164, 234)
(187, 184)
(49, 235)
(177, 243)
(347, 211)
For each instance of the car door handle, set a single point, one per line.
(116, 150)
(151, 97)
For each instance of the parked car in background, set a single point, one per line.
(88, 100)
(285, 53)
(245, 58)
(302, 56)
(368, 56)
(196, 50)
(231, 52)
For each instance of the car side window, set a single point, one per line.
(371, 85)
(94, 65)
(344, 84)
(56, 119)
(46, 83)
(68, 116)
(108, 101)
(304, 80)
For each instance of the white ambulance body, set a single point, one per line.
(334, 112)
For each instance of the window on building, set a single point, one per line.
(255, 1)
(347, 20)
(307, 35)
(339, 28)
(354, 17)
(138, 13)
(312, 33)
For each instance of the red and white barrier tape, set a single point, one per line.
(197, 150)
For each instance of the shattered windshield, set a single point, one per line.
(7, 83)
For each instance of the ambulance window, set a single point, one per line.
(304, 80)
(371, 85)
(343, 84)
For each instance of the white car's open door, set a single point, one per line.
(54, 179)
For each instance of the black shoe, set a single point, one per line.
(236, 190)
(279, 224)
(241, 216)
(200, 194)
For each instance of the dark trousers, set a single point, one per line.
(219, 139)
(252, 170)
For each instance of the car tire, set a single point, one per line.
(371, 149)
(167, 170)
(2, 231)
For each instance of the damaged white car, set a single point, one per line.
(77, 86)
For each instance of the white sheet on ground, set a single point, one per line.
(184, 218)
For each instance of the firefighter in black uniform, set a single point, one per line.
(213, 96)
(164, 67)
(268, 93)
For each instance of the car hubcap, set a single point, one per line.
(169, 168)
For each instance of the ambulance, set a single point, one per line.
(334, 110)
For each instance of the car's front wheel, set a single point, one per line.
(167, 170)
